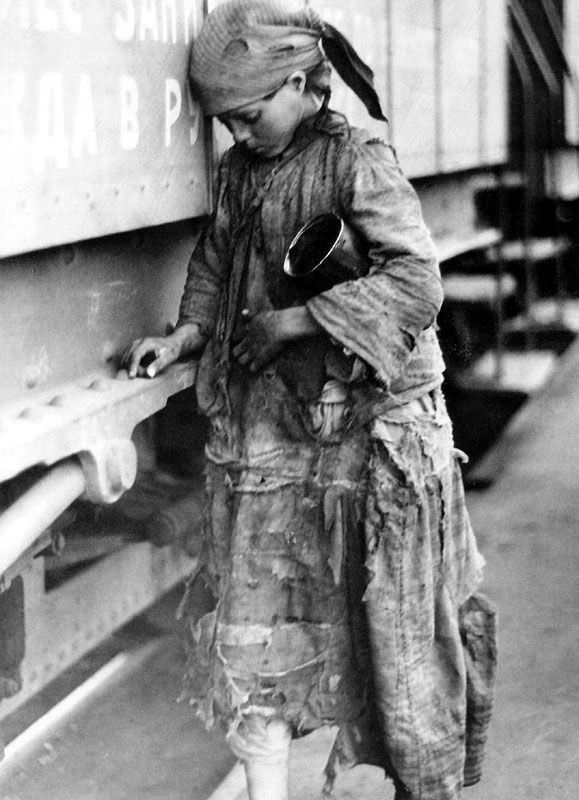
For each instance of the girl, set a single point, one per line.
(339, 550)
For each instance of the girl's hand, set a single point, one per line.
(261, 338)
(264, 335)
(145, 358)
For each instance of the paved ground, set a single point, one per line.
(528, 526)
(133, 743)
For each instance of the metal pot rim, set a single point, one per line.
(310, 224)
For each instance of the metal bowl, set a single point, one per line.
(323, 253)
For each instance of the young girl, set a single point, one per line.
(338, 546)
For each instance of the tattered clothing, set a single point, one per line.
(338, 546)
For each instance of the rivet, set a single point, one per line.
(109, 351)
(68, 254)
(99, 385)
(30, 413)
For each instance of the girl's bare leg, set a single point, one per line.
(263, 746)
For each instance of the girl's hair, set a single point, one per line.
(318, 79)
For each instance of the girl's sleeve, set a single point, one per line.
(380, 316)
(207, 269)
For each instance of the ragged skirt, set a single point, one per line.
(344, 577)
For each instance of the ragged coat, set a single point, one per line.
(338, 546)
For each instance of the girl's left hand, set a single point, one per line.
(261, 338)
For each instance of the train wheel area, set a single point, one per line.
(111, 726)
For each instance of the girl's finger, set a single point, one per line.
(241, 348)
(164, 357)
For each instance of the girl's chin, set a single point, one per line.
(265, 151)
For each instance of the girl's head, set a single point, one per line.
(248, 48)
(267, 126)
(255, 61)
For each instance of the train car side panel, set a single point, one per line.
(413, 85)
(571, 28)
(99, 132)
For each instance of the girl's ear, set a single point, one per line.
(297, 81)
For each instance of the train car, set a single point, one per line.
(106, 175)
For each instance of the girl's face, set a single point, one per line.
(267, 126)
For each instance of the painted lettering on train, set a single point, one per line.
(84, 107)
(99, 132)
(167, 21)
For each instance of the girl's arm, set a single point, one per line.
(379, 317)
(267, 333)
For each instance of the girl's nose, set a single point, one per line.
(241, 132)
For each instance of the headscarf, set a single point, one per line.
(247, 48)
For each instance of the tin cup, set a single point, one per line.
(323, 253)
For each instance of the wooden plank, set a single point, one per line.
(465, 288)
(479, 240)
(413, 84)
(493, 83)
(534, 249)
(459, 83)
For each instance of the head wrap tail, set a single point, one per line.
(350, 67)
(247, 48)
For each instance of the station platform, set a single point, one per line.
(527, 524)
(129, 740)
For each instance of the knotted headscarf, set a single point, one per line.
(247, 48)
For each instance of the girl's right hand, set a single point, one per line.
(145, 358)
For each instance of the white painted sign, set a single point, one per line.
(98, 130)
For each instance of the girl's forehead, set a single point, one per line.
(243, 111)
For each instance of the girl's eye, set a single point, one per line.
(251, 119)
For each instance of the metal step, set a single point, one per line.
(535, 249)
(486, 289)
(548, 313)
(511, 371)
